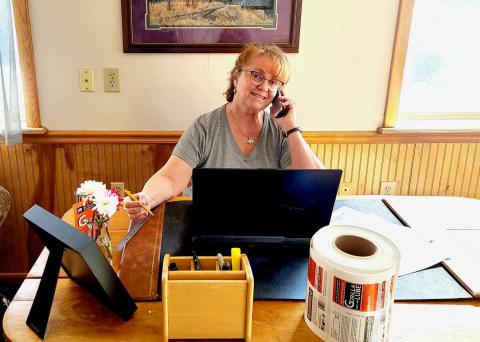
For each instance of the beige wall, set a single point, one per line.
(339, 78)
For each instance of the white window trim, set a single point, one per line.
(468, 122)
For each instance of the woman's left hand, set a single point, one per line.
(288, 121)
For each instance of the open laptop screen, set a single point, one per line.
(262, 205)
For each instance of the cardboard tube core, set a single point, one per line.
(355, 245)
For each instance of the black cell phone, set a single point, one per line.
(282, 111)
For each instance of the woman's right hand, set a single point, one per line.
(134, 209)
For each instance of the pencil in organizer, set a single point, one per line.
(133, 198)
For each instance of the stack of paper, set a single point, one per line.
(417, 249)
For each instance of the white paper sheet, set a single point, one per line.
(418, 250)
(438, 212)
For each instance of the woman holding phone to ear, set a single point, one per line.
(240, 133)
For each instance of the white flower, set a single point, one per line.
(106, 203)
(89, 187)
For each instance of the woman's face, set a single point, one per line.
(255, 98)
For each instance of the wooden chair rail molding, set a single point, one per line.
(125, 137)
(313, 137)
(47, 168)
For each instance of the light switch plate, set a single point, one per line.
(87, 79)
(111, 79)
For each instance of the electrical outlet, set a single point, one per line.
(87, 80)
(345, 188)
(120, 186)
(388, 188)
(111, 79)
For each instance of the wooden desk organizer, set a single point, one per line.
(206, 304)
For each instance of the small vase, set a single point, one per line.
(102, 236)
(81, 198)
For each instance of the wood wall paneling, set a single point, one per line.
(49, 173)
(475, 174)
(47, 169)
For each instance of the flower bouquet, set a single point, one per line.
(104, 204)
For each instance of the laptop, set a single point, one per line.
(270, 214)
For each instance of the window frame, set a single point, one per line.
(21, 15)
(397, 67)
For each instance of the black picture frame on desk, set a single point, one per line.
(83, 262)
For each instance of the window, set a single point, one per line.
(10, 113)
(25, 65)
(435, 73)
(21, 97)
(19, 85)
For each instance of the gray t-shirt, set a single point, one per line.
(209, 142)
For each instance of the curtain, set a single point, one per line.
(10, 123)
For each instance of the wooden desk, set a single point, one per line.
(77, 316)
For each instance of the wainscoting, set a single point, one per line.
(47, 169)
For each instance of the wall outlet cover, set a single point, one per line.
(345, 189)
(388, 188)
(111, 79)
(120, 186)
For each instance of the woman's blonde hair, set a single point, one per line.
(280, 66)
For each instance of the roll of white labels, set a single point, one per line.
(351, 278)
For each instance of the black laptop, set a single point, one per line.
(270, 214)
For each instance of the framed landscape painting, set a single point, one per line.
(209, 25)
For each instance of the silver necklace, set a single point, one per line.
(250, 139)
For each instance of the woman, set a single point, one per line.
(240, 134)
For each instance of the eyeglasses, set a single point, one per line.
(257, 78)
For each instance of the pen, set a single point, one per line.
(133, 198)
(220, 261)
(196, 262)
